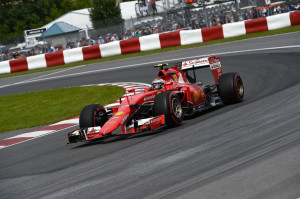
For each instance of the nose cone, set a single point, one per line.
(114, 122)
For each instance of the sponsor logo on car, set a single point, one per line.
(111, 122)
(124, 119)
(154, 120)
(187, 63)
(214, 60)
(214, 66)
(214, 63)
(198, 62)
(175, 78)
(149, 97)
(201, 61)
(93, 130)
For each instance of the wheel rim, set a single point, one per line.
(177, 109)
(239, 87)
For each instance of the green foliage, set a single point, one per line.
(19, 15)
(106, 16)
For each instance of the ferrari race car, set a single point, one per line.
(173, 95)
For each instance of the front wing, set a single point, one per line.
(138, 126)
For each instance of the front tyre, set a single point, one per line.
(92, 115)
(168, 104)
(231, 88)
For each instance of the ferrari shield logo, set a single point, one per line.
(175, 78)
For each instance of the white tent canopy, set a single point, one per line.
(81, 19)
(78, 18)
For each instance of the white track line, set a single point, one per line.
(71, 121)
(134, 65)
(33, 134)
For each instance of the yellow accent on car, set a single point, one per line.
(119, 113)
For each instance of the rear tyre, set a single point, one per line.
(169, 104)
(92, 115)
(231, 88)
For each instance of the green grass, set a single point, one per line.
(47, 107)
(248, 36)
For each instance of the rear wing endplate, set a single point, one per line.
(213, 63)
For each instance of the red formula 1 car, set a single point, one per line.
(173, 95)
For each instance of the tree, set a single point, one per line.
(106, 17)
(17, 16)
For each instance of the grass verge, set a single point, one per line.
(47, 107)
(93, 61)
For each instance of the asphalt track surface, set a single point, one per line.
(247, 150)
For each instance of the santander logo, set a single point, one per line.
(200, 61)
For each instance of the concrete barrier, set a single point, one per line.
(152, 42)
(170, 39)
(110, 49)
(212, 33)
(55, 58)
(18, 65)
(130, 45)
(295, 18)
(234, 29)
(4, 67)
(91, 52)
(73, 55)
(35, 62)
(191, 36)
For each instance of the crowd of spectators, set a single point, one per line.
(15, 54)
(195, 21)
(250, 13)
(20, 53)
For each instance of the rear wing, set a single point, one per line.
(213, 63)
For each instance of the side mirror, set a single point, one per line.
(131, 90)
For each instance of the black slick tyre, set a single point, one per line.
(168, 104)
(92, 115)
(231, 88)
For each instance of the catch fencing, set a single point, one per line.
(151, 42)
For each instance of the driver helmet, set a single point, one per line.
(158, 83)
